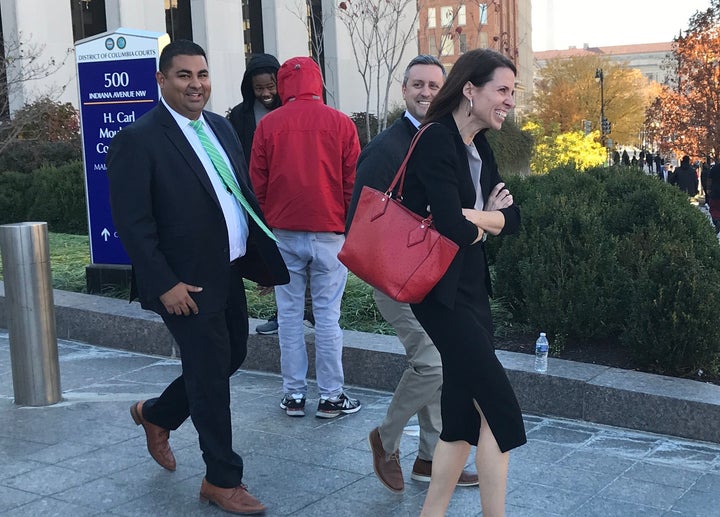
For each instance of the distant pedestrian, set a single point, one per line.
(686, 177)
(704, 168)
(714, 202)
(625, 158)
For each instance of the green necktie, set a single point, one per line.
(226, 175)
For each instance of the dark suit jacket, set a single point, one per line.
(168, 216)
(380, 159)
(439, 177)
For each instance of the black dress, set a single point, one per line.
(456, 313)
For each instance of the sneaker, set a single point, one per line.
(330, 408)
(269, 327)
(294, 404)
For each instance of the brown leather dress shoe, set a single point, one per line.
(157, 438)
(386, 466)
(422, 470)
(234, 500)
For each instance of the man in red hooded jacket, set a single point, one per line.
(302, 167)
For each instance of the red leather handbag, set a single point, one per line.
(392, 248)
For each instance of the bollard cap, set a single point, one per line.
(23, 244)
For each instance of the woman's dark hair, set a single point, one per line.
(476, 66)
(180, 47)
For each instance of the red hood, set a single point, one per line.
(299, 78)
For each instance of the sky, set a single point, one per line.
(560, 24)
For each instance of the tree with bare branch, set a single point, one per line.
(380, 31)
(308, 12)
(20, 64)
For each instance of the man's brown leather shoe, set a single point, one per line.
(157, 438)
(234, 500)
(386, 466)
(422, 470)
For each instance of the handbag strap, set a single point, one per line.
(399, 179)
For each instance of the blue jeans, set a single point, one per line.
(313, 256)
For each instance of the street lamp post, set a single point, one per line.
(604, 124)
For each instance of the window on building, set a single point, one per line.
(432, 46)
(432, 20)
(483, 14)
(448, 46)
(315, 33)
(88, 18)
(252, 28)
(462, 43)
(447, 16)
(483, 40)
(461, 16)
(178, 19)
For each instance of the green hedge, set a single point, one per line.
(14, 188)
(613, 255)
(29, 155)
(52, 194)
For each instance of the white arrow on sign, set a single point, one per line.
(105, 233)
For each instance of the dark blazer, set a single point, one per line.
(379, 160)
(168, 216)
(439, 178)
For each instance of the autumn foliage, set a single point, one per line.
(683, 119)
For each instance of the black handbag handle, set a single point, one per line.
(399, 179)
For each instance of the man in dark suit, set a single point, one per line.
(418, 392)
(191, 242)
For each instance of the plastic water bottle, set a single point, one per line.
(541, 353)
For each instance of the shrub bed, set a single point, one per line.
(612, 255)
(55, 194)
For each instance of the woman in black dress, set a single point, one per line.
(453, 174)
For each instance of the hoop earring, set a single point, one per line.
(470, 107)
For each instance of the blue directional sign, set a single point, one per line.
(116, 78)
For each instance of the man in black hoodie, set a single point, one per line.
(260, 97)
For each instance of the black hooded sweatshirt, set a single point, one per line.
(242, 116)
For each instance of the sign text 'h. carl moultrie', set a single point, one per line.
(116, 79)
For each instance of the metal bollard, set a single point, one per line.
(31, 313)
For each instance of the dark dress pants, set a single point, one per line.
(212, 348)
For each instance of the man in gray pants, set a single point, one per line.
(418, 391)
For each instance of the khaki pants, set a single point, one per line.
(418, 391)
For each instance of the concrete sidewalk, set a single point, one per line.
(578, 391)
(85, 457)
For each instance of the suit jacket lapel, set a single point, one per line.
(177, 139)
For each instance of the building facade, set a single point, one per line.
(448, 29)
(646, 57)
(231, 30)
